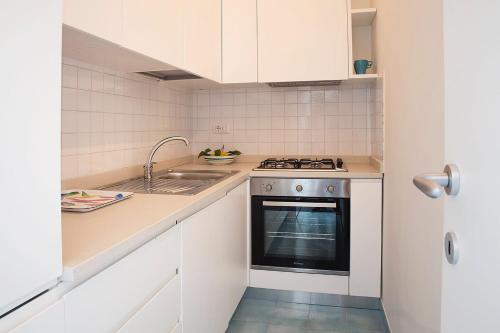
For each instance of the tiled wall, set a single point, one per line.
(333, 120)
(110, 120)
(376, 112)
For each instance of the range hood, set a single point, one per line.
(170, 75)
(304, 83)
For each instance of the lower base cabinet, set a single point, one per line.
(366, 238)
(214, 263)
(129, 290)
(161, 314)
(189, 279)
(50, 320)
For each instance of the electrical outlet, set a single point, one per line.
(221, 128)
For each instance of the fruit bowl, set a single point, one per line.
(219, 156)
(219, 160)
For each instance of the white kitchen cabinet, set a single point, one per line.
(106, 301)
(239, 41)
(96, 17)
(161, 314)
(202, 38)
(302, 40)
(155, 28)
(366, 237)
(214, 266)
(50, 320)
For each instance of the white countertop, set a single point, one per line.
(93, 241)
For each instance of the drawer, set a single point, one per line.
(49, 320)
(106, 301)
(161, 314)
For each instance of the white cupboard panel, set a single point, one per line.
(313, 283)
(161, 314)
(50, 320)
(30, 130)
(154, 28)
(106, 301)
(214, 263)
(239, 41)
(366, 238)
(96, 17)
(202, 38)
(302, 40)
(236, 234)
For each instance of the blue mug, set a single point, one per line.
(360, 66)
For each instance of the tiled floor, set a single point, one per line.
(259, 313)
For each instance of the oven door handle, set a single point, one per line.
(299, 204)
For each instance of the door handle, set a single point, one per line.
(432, 184)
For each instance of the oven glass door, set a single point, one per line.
(301, 234)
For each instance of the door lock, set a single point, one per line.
(451, 247)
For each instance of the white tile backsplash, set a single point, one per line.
(305, 120)
(111, 120)
(376, 120)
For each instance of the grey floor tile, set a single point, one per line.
(295, 297)
(290, 314)
(262, 311)
(246, 327)
(328, 318)
(284, 329)
(259, 293)
(255, 310)
(365, 320)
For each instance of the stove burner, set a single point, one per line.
(305, 163)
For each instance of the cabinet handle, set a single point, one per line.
(299, 204)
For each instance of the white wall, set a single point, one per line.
(409, 47)
(110, 120)
(334, 120)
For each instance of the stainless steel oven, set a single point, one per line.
(301, 225)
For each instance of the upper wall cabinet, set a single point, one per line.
(99, 18)
(202, 38)
(155, 28)
(302, 40)
(239, 41)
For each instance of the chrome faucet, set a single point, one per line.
(148, 167)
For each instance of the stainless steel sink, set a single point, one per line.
(179, 182)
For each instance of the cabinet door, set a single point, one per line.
(239, 41)
(161, 314)
(96, 17)
(302, 40)
(50, 320)
(214, 263)
(106, 301)
(236, 234)
(154, 28)
(366, 237)
(202, 38)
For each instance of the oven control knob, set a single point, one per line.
(269, 187)
(330, 188)
(299, 188)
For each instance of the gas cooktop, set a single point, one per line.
(326, 164)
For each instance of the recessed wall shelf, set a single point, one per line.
(361, 30)
(363, 16)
